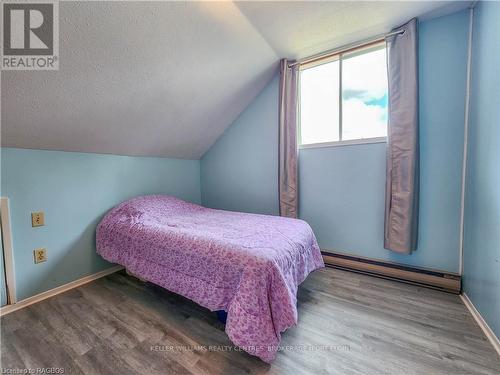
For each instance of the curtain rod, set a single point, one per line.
(345, 48)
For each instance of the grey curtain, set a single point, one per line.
(402, 179)
(287, 175)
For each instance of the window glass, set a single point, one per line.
(363, 111)
(364, 95)
(319, 103)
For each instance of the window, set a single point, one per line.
(343, 98)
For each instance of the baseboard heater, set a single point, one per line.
(447, 282)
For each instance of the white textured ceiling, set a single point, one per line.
(167, 78)
(303, 28)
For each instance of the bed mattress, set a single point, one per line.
(246, 264)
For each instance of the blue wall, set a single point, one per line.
(342, 188)
(482, 209)
(75, 190)
(239, 172)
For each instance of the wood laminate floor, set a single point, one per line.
(348, 324)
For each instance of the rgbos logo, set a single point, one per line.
(30, 36)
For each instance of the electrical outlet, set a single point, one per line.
(37, 219)
(40, 255)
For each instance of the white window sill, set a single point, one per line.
(352, 142)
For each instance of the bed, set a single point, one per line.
(248, 265)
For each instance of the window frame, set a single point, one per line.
(325, 60)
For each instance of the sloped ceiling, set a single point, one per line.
(167, 78)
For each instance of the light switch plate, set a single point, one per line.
(40, 255)
(37, 219)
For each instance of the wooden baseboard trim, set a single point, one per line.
(431, 279)
(60, 289)
(481, 322)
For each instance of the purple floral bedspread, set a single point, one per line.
(248, 265)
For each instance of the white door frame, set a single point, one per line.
(8, 253)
